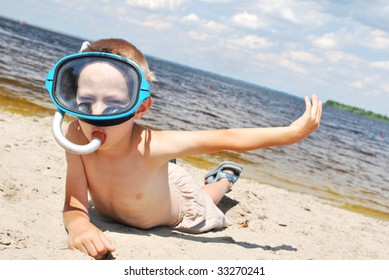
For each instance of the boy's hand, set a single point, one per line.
(90, 240)
(310, 120)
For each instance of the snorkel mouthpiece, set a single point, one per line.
(100, 135)
(98, 138)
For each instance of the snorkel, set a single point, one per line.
(68, 93)
(98, 137)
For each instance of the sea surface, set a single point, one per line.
(345, 162)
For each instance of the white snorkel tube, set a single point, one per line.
(70, 146)
(63, 141)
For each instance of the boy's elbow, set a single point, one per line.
(234, 141)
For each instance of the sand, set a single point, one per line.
(267, 223)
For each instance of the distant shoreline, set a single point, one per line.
(356, 110)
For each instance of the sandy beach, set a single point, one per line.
(266, 222)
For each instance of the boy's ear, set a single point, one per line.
(143, 108)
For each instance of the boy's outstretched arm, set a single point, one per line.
(180, 144)
(256, 138)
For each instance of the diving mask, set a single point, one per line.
(99, 88)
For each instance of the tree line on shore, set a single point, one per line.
(356, 110)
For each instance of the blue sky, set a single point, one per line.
(337, 49)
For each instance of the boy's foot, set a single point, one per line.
(228, 169)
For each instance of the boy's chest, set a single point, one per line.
(129, 189)
(128, 179)
(115, 176)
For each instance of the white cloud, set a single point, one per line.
(214, 26)
(304, 13)
(373, 13)
(202, 28)
(327, 41)
(377, 39)
(358, 84)
(289, 15)
(338, 39)
(294, 67)
(198, 22)
(371, 86)
(198, 36)
(339, 56)
(219, 1)
(305, 57)
(248, 20)
(383, 65)
(280, 60)
(156, 4)
(384, 87)
(362, 36)
(375, 93)
(151, 22)
(192, 17)
(251, 42)
(266, 56)
(366, 82)
(155, 23)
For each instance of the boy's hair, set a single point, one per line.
(123, 48)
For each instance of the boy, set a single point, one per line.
(129, 177)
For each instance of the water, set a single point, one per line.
(345, 161)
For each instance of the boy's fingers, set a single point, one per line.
(320, 111)
(80, 248)
(101, 247)
(91, 250)
(107, 243)
(319, 105)
(314, 106)
(308, 105)
(98, 250)
(83, 249)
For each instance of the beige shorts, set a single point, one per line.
(198, 213)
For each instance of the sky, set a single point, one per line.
(336, 49)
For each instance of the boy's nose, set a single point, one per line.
(98, 108)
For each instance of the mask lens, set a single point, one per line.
(85, 108)
(112, 110)
(93, 86)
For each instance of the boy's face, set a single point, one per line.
(102, 89)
